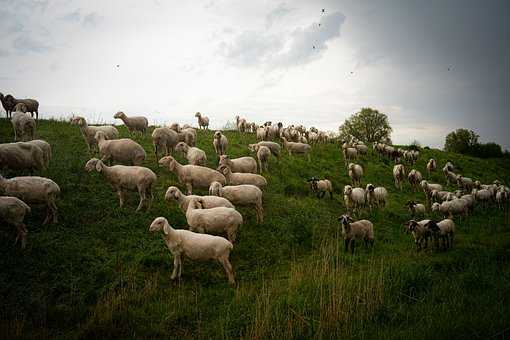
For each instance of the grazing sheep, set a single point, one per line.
(238, 178)
(263, 155)
(134, 123)
(213, 220)
(125, 150)
(399, 175)
(173, 193)
(354, 198)
(203, 121)
(242, 164)
(428, 188)
(32, 105)
(194, 246)
(21, 156)
(355, 173)
(443, 230)
(465, 183)
(46, 149)
(220, 143)
(244, 194)
(13, 211)
(439, 196)
(192, 175)
(420, 233)
(415, 208)
(89, 132)
(194, 155)
(376, 196)
(300, 148)
(321, 187)
(414, 178)
(350, 154)
(33, 190)
(165, 139)
(126, 178)
(22, 124)
(431, 166)
(8, 106)
(359, 230)
(274, 147)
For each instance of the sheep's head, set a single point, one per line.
(215, 188)
(119, 115)
(181, 147)
(410, 204)
(224, 160)
(93, 164)
(198, 115)
(424, 184)
(313, 183)
(411, 225)
(100, 136)
(435, 206)
(432, 226)
(173, 193)
(167, 161)
(370, 187)
(347, 190)
(20, 107)
(345, 220)
(252, 147)
(225, 170)
(217, 135)
(350, 166)
(160, 223)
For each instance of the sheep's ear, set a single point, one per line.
(99, 166)
(166, 228)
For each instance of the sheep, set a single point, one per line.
(220, 143)
(293, 147)
(355, 173)
(465, 183)
(470, 201)
(428, 188)
(13, 211)
(376, 196)
(241, 124)
(32, 105)
(33, 190)
(350, 154)
(187, 136)
(125, 150)
(173, 193)
(192, 175)
(165, 139)
(321, 186)
(361, 148)
(359, 230)
(175, 126)
(431, 166)
(133, 123)
(420, 233)
(456, 206)
(439, 196)
(46, 149)
(213, 220)
(126, 178)
(263, 155)
(399, 175)
(238, 178)
(502, 198)
(242, 164)
(21, 156)
(415, 208)
(194, 155)
(22, 124)
(414, 178)
(8, 106)
(273, 147)
(443, 230)
(262, 133)
(194, 246)
(244, 194)
(89, 132)
(483, 195)
(203, 121)
(354, 198)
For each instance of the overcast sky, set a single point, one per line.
(431, 66)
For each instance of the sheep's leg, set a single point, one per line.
(228, 269)
(143, 198)
(176, 268)
(260, 166)
(352, 246)
(231, 235)
(346, 245)
(120, 193)
(260, 213)
(53, 210)
(331, 194)
(189, 188)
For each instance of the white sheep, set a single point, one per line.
(46, 149)
(23, 125)
(125, 150)
(238, 178)
(439, 196)
(416, 208)
(13, 211)
(444, 230)
(220, 143)
(89, 132)
(194, 155)
(465, 183)
(192, 175)
(126, 178)
(21, 156)
(274, 147)
(431, 166)
(321, 186)
(450, 176)
(213, 220)
(428, 188)
(173, 193)
(164, 139)
(399, 175)
(203, 121)
(243, 195)
(33, 190)
(241, 164)
(133, 123)
(354, 198)
(300, 148)
(414, 178)
(421, 234)
(484, 196)
(241, 124)
(359, 230)
(355, 173)
(350, 154)
(262, 133)
(263, 156)
(376, 196)
(194, 246)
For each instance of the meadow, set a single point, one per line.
(99, 272)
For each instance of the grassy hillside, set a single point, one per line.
(100, 273)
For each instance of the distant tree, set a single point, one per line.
(488, 150)
(368, 125)
(460, 141)
(415, 145)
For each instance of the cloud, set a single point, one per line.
(260, 48)
(92, 19)
(277, 13)
(26, 43)
(72, 17)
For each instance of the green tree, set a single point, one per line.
(461, 141)
(368, 125)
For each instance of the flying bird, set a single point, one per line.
(118, 65)
(323, 10)
(319, 25)
(314, 47)
(449, 69)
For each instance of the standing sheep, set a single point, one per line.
(376, 196)
(46, 149)
(125, 150)
(21, 156)
(415, 208)
(165, 139)
(32, 105)
(421, 234)
(359, 230)
(238, 178)
(194, 246)
(241, 164)
(444, 230)
(194, 155)
(13, 211)
(274, 147)
(300, 148)
(428, 188)
(321, 187)
(350, 154)
(203, 121)
(415, 179)
(263, 155)
(431, 166)
(173, 193)
(133, 123)
(89, 132)
(243, 195)
(355, 173)
(399, 175)
(354, 198)
(8, 106)
(220, 143)
(22, 124)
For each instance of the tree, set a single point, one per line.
(461, 141)
(368, 125)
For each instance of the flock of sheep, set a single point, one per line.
(236, 182)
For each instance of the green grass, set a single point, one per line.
(100, 273)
